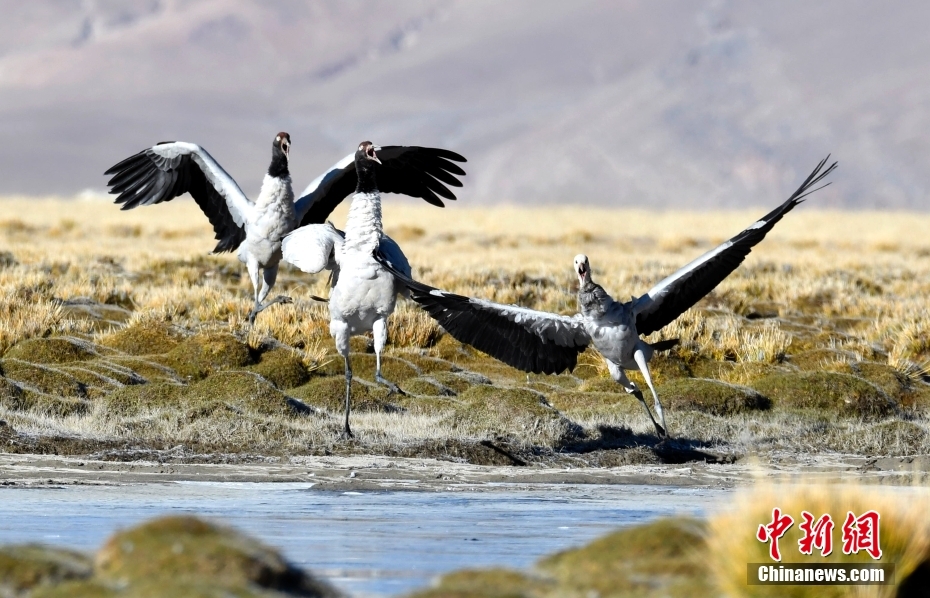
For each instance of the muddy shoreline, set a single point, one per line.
(373, 473)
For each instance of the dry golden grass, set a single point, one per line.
(848, 289)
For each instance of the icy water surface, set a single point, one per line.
(368, 543)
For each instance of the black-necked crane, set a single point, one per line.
(256, 229)
(363, 292)
(542, 342)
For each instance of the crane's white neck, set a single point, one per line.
(275, 190)
(363, 227)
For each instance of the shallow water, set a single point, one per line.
(368, 543)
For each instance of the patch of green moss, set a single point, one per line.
(147, 369)
(424, 405)
(132, 400)
(585, 405)
(822, 358)
(748, 371)
(449, 349)
(43, 404)
(189, 552)
(487, 583)
(329, 393)
(95, 385)
(81, 589)
(224, 394)
(917, 398)
(895, 384)
(95, 317)
(805, 341)
(668, 366)
(50, 350)
(663, 558)
(562, 381)
(601, 385)
(838, 393)
(427, 386)
(489, 410)
(710, 396)
(361, 344)
(711, 368)
(144, 338)
(281, 367)
(26, 567)
(497, 372)
(460, 381)
(236, 392)
(427, 364)
(45, 379)
(9, 390)
(393, 369)
(103, 367)
(202, 354)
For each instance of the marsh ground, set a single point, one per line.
(121, 337)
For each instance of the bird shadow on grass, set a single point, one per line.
(666, 450)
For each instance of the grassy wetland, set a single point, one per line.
(122, 337)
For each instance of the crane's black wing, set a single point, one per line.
(424, 172)
(672, 296)
(172, 168)
(529, 340)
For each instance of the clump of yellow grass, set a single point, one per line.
(904, 532)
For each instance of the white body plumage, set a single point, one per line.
(272, 217)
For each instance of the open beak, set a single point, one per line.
(286, 148)
(373, 155)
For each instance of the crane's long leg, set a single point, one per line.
(379, 331)
(619, 376)
(340, 333)
(254, 276)
(639, 356)
(269, 276)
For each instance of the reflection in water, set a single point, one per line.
(368, 543)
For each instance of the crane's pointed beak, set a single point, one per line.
(582, 272)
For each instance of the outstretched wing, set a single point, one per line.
(424, 172)
(529, 340)
(312, 248)
(172, 168)
(678, 292)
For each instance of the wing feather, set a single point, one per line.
(674, 294)
(312, 248)
(423, 172)
(168, 170)
(529, 340)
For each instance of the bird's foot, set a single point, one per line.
(660, 431)
(252, 315)
(282, 299)
(392, 388)
(347, 434)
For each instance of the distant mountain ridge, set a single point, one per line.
(672, 104)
